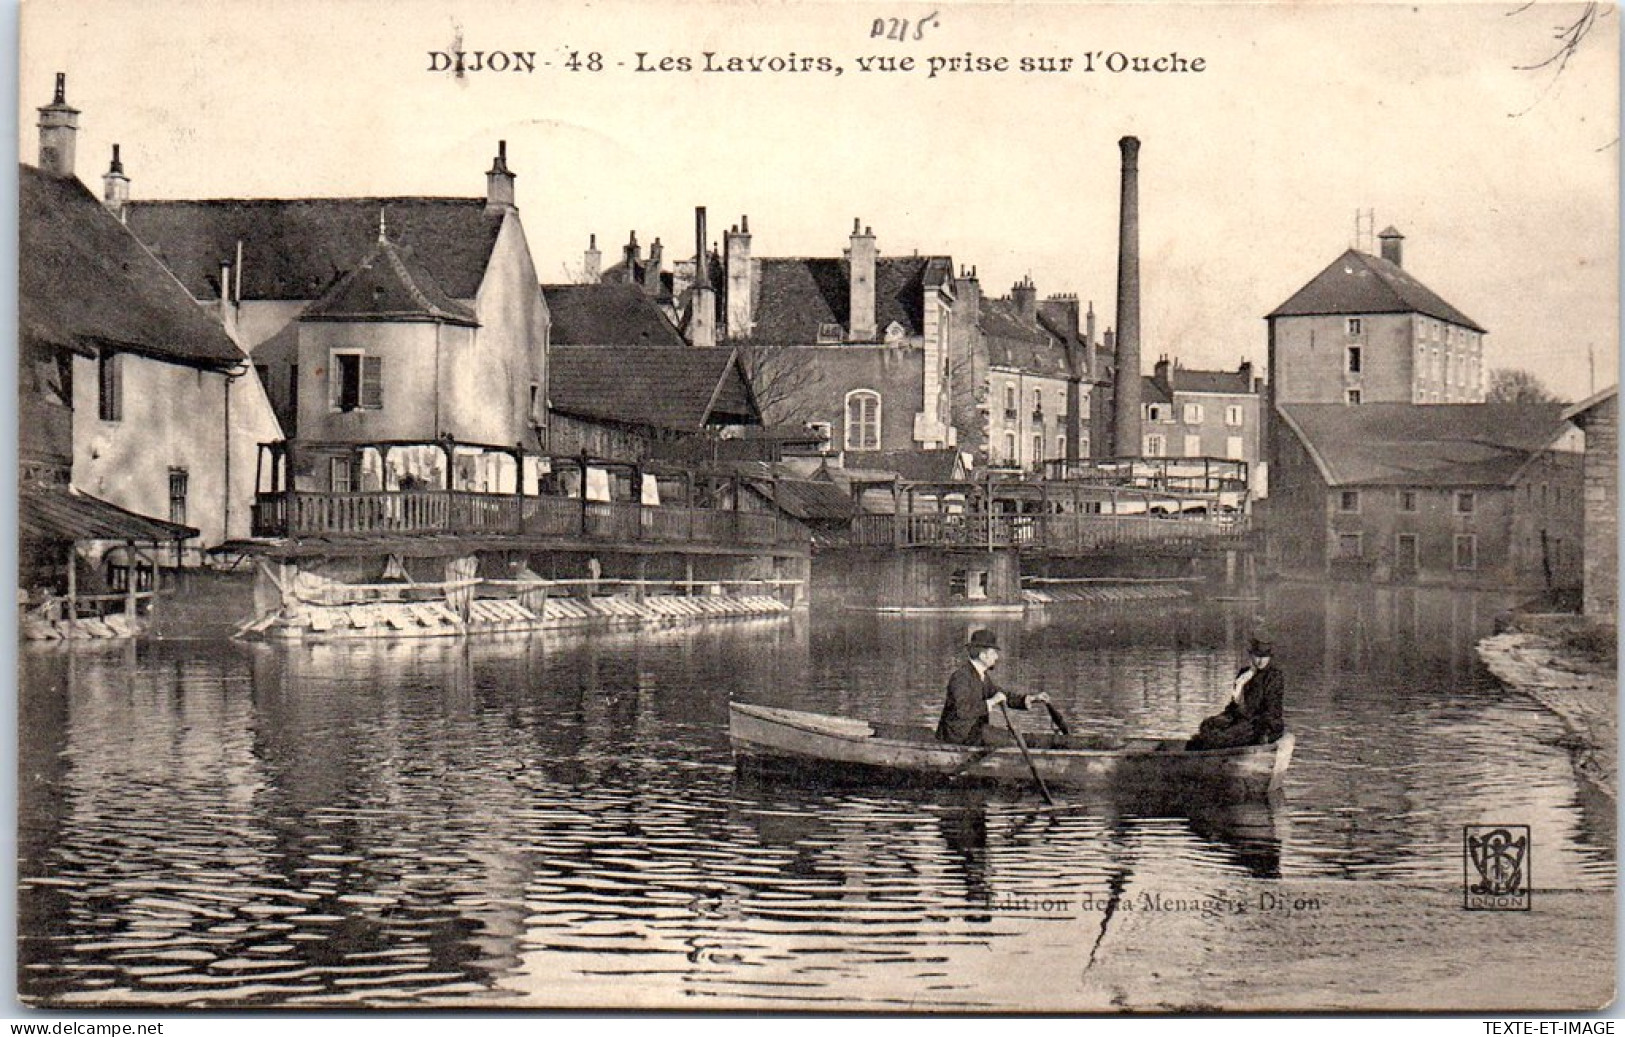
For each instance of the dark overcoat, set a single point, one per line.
(1255, 719)
(964, 715)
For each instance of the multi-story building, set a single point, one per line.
(857, 346)
(1471, 494)
(135, 400)
(1187, 412)
(1364, 330)
(1036, 407)
(348, 304)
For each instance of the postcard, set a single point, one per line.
(817, 506)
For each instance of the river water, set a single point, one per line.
(554, 820)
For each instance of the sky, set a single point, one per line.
(1504, 181)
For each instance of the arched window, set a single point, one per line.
(863, 420)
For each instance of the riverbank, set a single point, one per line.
(1566, 666)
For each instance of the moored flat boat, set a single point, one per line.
(770, 736)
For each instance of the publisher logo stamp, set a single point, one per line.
(1495, 867)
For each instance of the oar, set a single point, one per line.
(1058, 720)
(1021, 743)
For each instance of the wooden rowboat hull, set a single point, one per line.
(766, 736)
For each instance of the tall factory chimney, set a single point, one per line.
(1126, 397)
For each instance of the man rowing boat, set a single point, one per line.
(972, 694)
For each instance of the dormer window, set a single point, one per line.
(829, 334)
(894, 332)
(1355, 327)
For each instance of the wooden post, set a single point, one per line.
(519, 488)
(129, 581)
(73, 581)
(643, 576)
(289, 526)
(896, 515)
(583, 463)
(688, 574)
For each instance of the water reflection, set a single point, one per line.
(555, 818)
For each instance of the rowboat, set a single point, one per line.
(767, 737)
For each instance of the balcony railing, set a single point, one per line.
(304, 513)
(1079, 533)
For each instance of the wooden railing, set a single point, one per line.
(1074, 533)
(380, 513)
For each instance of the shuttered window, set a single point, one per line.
(358, 381)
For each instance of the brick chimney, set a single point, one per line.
(702, 311)
(861, 278)
(631, 256)
(1126, 398)
(1024, 297)
(1089, 326)
(592, 261)
(58, 132)
(115, 187)
(499, 182)
(1392, 246)
(1246, 372)
(736, 257)
(651, 270)
(1162, 374)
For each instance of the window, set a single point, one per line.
(825, 431)
(1193, 446)
(358, 381)
(1233, 416)
(830, 333)
(1153, 412)
(110, 379)
(1466, 500)
(863, 420)
(1348, 545)
(339, 474)
(1405, 553)
(1353, 397)
(1348, 501)
(1010, 448)
(179, 481)
(1353, 359)
(1155, 445)
(1038, 402)
(1407, 500)
(1193, 413)
(1233, 448)
(1355, 327)
(1038, 449)
(1466, 551)
(535, 402)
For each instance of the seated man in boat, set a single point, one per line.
(1253, 714)
(972, 695)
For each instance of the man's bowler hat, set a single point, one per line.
(1260, 647)
(981, 639)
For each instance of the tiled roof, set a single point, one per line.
(1401, 444)
(1357, 282)
(815, 500)
(916, 465)
(294, 248)
(1579, 412)
(1188, 380)
(1014, 341)
(388, 286)
(681, 389)
(1151, 391)
(607, 315)
(795, 297)
(84, 281)
(59, 514)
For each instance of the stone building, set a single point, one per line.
(1598, 418)
(1193, 413)
(1036, 401)
(1467, 495)
(1364, 330)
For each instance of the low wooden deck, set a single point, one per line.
(1063, 534)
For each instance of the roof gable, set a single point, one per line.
(388, 286)
(293, 249)
(796, 297)
(85, 281)
(676, 389)
(1357, 282)
(1401, 444)
(607, 315)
